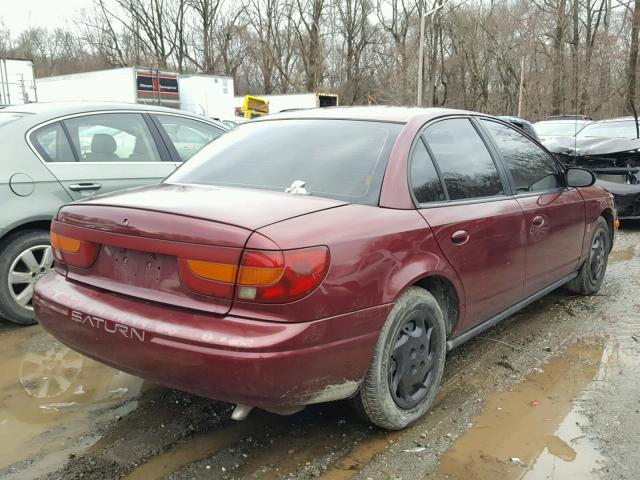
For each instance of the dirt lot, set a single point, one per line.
(553, 392)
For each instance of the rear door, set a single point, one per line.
(554, 214)
(463, 195)
(102, 152)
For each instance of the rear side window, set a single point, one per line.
(465, 163)
(188, 136)
(531, 168)
(52, 144)
(342, 159)
(112, 137)
(425, 181)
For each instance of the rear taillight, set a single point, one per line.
(72, 251)
(278, 277)
(264, 276)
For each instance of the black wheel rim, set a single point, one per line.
(411, 366)
(598, 257)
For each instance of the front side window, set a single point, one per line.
(425, 181)
(341, 159)
(112, 137)
(531, 168)
(188, 136)
(465, 163)
(52, 144)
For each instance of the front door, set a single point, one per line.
(554, 215)
(479, 228)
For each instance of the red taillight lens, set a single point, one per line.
(264, 276)
(280, 277)
(72, 251)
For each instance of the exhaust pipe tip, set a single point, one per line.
(240, 411)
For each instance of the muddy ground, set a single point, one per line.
(552, 392)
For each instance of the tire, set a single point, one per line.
(389, 398)
(18, 272)
(591, 274)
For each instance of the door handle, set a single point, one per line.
(77, 187)
(460, 237)
(537, 221)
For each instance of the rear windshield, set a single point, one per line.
(8, 117)
(341, 159)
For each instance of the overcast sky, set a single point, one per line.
(18, 15)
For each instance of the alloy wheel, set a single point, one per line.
(26, 269)
(411, 366)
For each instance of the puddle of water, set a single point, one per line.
(48, 393)
(622, 255)
(530, 432)
(349, 465)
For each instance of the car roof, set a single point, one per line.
(577, 120)
(511, 118)
(372, 113)
(36, 113)
(618, 119)
(56, 109)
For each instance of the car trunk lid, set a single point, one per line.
(143, 237)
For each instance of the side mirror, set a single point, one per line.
(580, 177)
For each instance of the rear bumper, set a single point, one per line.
(264, 364)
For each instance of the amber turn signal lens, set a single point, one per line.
(616, 223)
(65, 244)
(218, 272)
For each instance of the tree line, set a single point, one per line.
(574, 56)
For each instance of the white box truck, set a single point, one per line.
(17, 84)
(278, 103)
(210, 95)
(128, 85)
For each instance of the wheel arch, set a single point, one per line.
(447, 296)
(607, 214)
(33, 224)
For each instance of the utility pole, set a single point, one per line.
(521, 89)
(421, 54)
(423, 16)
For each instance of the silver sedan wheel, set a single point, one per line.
(25, 270)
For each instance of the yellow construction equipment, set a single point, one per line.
(253, 107)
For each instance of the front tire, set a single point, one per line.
(407, 364)
(591, 274)
(24, 258)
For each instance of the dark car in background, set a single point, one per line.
(324, 254)
(524, 125)
(53, 153)
(611, 149)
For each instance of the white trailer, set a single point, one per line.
(128, 85)
(17, 84)
(278, 103)
(210, 95)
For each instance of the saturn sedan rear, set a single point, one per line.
(321, 255)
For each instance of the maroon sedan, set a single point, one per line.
(324, 254)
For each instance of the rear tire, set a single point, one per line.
(407, 364)
(591, 274)
(24, 257)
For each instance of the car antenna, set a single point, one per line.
(635, 116)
